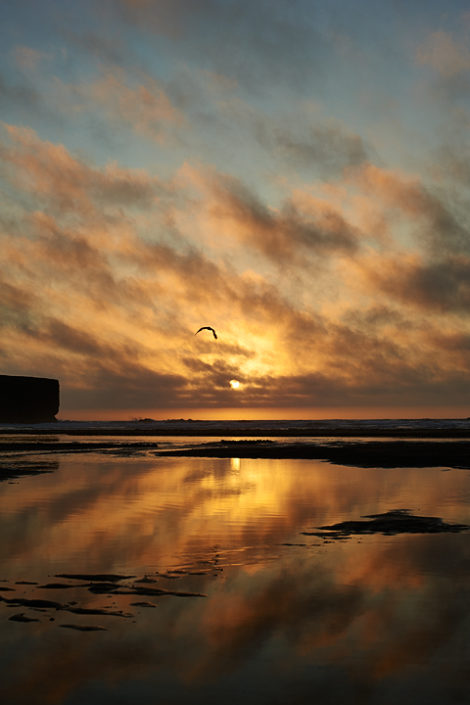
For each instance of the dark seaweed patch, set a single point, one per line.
(110, 584)
(103, 612)
(99, 577)
(17, 469)
(293, 544)
(58, 586)
(50, 605)
(83, 627)
(157, 592)
(33, 603)
(146, 579)
(21, 617)
(101, 588)
(398, 521)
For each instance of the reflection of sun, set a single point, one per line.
(234, 383)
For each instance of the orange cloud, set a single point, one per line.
(113, 264)
(142, 104)
(49, 170)
(288, 234)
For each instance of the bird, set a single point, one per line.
(207, 328)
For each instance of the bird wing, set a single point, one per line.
(207, 328)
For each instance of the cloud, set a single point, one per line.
(284, 235)
(15, 306)
(255, 43)
(442, 286)
(20, 94)
(326, 149)
(109, 48)
(108, 272)
(452, 164)
(429, 215)
(455, 347)
(142, 103)
(67, 182)
(447, 56)
(444, 54)
(134, 385)
(28, 59)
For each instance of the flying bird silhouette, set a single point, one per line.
(207, 328)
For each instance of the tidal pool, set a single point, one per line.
(142, 579)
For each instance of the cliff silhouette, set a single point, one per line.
(28, 399)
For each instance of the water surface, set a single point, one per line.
(226, 598)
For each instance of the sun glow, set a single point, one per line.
(234, 383)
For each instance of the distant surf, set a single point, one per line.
(426, 428)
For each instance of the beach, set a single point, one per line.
(235, 370)
(378, 443)
(273, 569)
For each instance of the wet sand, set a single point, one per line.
(385, 454)
(354, 452)
(374, 446)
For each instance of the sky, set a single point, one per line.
(293, 173)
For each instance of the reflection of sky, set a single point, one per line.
(294, 174)
(382, 616)
(157, 513)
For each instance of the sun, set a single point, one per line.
(234, 383)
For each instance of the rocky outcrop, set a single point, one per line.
(28, 399)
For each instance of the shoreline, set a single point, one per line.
(384, 454)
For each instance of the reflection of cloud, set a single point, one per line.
(303, 606)
(289, 602)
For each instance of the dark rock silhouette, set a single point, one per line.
(28, 399)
